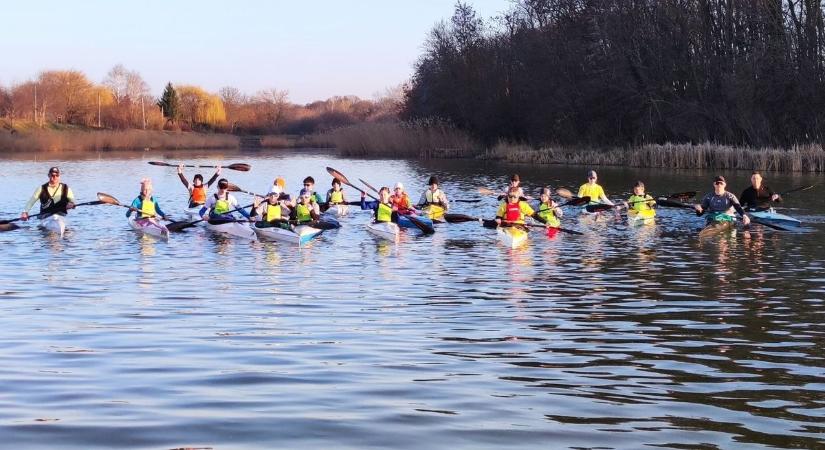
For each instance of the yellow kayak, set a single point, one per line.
(641, 217)
(512, 236)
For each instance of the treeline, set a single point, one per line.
(611, 72)
(123, 101)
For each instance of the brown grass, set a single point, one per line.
(96, 140)
(419, 139)
(296, 141)
(799, 158)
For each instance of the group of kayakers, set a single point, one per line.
(277, 208)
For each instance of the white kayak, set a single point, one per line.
(337, 210)
(234, 229)
(149, 227)
(299, 236)
(384, 230)
(53, 224)
(512, 236)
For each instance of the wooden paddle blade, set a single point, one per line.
(161, 163)
(564, 193)
(485, 191)
(107, 199)
(241, 167)
(339, 175)
(8, 226)
(459, 218)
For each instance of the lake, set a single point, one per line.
(624, 337)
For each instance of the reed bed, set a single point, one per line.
(427, 139)
(101, 140)
(296, 141)
(799, 158)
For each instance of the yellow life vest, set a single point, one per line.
(273, 212)
(384, 213)
(222, 206)
(147, 208)
(548, 215)
(641, 205)
(594, 191)
(336, 197)
(302, 213)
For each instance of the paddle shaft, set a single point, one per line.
(47, 214)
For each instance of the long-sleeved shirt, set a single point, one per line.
(724, 203)
(55, 193)
(753, 198)
(233, 205)
(137, 203)
(438, 197)
(208, 183)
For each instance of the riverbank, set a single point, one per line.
(436, 140)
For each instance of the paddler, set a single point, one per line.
(144, 205)
(640, 201)
(593, 190)
(306, 210)
(309, 186)
(401, 201)
(513, 209)
(197, 190)
(273, 211)
(721, 204)
(758, 195)
(382, 208)
(515, 182)
(433, 201)
(220, 205)
(55, 197)
(335, 196)
(548, 211)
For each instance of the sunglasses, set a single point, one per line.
(512, 196)
(54, 175)
(719, 182)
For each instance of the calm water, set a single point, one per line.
(627, 337)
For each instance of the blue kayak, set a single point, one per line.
(405, 222)
(771, 217)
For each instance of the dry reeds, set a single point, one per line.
(417, 139)
(95, 140)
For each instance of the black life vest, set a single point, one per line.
(47, 203)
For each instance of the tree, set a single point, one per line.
(199, 107)
(170, 103)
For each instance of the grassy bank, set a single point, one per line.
(82, 140)
(282, 141)
(436, 140)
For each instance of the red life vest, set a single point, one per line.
(513, 213)
(401, 203)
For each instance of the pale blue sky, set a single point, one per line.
(313, 48)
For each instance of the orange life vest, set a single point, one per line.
(198, 195)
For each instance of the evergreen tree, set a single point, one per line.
(170, 103)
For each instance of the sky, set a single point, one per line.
(314, 49)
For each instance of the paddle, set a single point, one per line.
(111, 200)
(38, 216)
(491, 223)
(426, 229)
(178, 226)
(799, 189)
(368, 185)
(467, 201)
(460, 218)
(661, 201)
(241, 167)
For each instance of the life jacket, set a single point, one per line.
(513, 213)
(336, 197)
(47, 202)
(198, 196)
(548, 214)
(594, 191)
(433, 197)
(222, 206)
(383, 213)
(147, 207)
(640, 203)
(401, 203)
(303, 213)
(273, 212)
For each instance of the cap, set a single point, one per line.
(54, 170)
(719, 178)
(399, 185)
(433, 180)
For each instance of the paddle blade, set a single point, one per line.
(338, 175)
(564, 193)
(672, 203)
(569, 231)
(598, 208)
(8, 226)
(327, 223)
(179, 226)
(683, 196)
(459, 218)
(161, 163)
(485, 191)
(107, 199)
(468, 201)
(577, 201)
(241, 167)
(233, 188)
(489, 223)
(424, 227)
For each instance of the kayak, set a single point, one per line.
(512, 236)
(646, 216)
(149, 227)
(771, 217)
(384, 230)
(405, 222)
(233, 229)
(53, 224)
(434, 213)
(715, 227)
(299, 236)
(337, 210)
